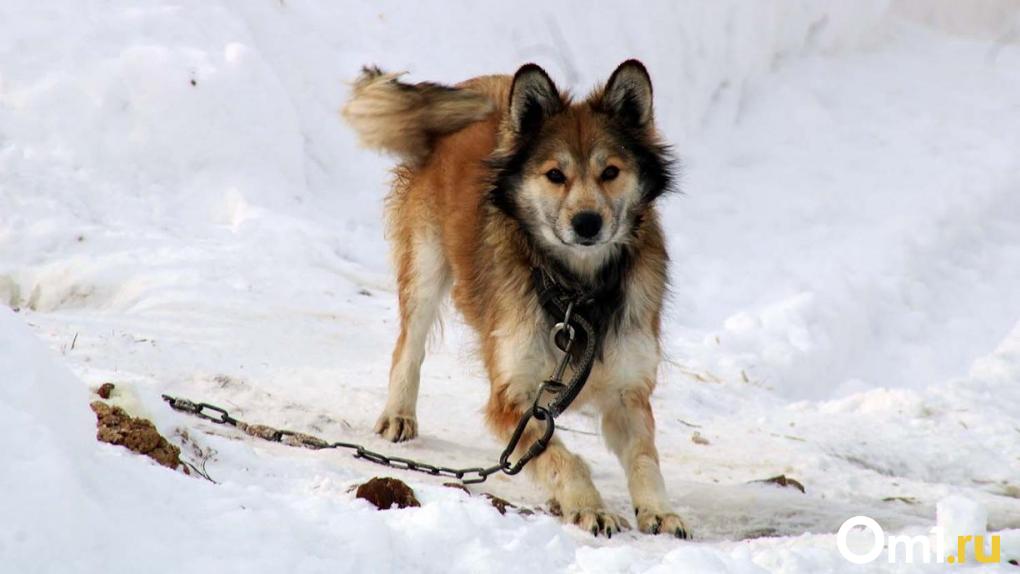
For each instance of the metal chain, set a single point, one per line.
(221, 416)
(470, 475)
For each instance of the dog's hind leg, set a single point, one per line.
(423, 280)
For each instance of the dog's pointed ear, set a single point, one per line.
(628, 94)
(533, 98)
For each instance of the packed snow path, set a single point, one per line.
(181, 211)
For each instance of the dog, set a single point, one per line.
(500, 176)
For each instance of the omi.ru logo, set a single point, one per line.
(923, 548)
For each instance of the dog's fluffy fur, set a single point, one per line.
(500, 175)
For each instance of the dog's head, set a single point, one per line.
(579, 176)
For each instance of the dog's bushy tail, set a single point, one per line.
(404, 119)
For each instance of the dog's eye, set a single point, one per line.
(610, 173)
(556, 176)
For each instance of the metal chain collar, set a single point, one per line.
(562, 396)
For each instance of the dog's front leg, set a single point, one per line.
(629, 429)
(564, 474)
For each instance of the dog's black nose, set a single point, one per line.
(587, 224)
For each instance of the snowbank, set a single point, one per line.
(131, 117)
(74, 505)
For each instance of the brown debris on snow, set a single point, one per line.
(498, 503)
(458, 486)
(784, 481)
(136, 434)
(105, 390)
(903, 499)
(386, 492)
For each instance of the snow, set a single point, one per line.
(181, 211)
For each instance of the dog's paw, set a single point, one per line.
(597, 521)
(667, 523)
(396, 428)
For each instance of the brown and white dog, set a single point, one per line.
(502, 175)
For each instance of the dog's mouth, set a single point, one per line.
(582, 244)
(588, 244)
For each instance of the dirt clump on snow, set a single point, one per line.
(386, 492)
(458, 486)
(105, 390)
(139, 435)
(498, 503)
(783, 481)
